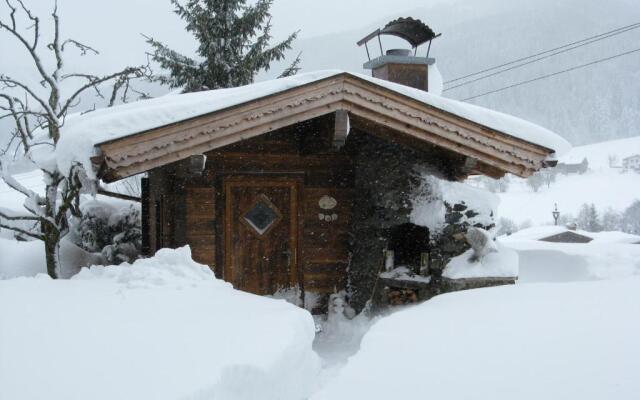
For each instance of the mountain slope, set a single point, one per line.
(602, 185)
(593, 104)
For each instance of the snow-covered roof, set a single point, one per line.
(81, 133)
(541, 232)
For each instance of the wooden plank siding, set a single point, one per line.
(325, 245)
(200, 227)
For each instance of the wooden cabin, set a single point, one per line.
(295, 187)
(306, 182)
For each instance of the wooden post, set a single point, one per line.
(341, 128)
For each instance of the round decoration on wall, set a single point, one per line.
(327, 217)
(327, 203)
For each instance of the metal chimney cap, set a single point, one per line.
(399, 52)
(412, 30)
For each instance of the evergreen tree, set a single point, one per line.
(233, 45)
(588, 218)
(631, 218)
(611, 220)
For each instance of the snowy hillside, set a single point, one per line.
(602, 185)
(594, 104)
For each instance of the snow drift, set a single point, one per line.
(546, 341)
(162, 328)
(610, 255)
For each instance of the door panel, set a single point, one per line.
(261, 233)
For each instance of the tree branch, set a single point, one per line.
(127, 73)
(31, 47)
(22, 231)
(84, 49)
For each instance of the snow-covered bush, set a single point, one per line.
(496, 185)
(631, 218)
(506, 227)
(115, 233)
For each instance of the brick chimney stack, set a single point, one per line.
(400, 66)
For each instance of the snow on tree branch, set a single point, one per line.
(38, 125)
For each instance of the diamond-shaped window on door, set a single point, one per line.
(262, 216)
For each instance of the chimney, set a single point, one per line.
(402, 66)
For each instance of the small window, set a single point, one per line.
(262, 216)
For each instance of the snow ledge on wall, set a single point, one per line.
(503, 263)
(429, 202)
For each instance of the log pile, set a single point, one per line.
(399, 297)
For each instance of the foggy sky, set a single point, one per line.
(114, 27)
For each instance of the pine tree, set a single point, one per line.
(631, 218)
(588, 218)
(611, 220)
(233, 45)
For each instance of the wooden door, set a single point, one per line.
(261, 233)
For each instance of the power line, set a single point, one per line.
(590, 39)
(553, 74)
(537, 59)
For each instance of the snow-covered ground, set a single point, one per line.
(543, 341)
(167, 329)
(610, 255)
(164, 328)
(27, 259)
(602, 185)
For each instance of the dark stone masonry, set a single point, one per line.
(386, 180)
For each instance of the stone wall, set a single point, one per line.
(451, 241)
(384, 180)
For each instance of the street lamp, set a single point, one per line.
(556, 214)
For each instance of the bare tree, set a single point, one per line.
(38, 113)
(535, 181)
(548, 176)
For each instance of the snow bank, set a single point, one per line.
(82, 132)
(428, 205)
(546, 341)
(608, 256)
(162, 328)
(541, 232)
(27, 259)
(500, 264)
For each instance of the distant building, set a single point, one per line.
(632, 162)
(566, 168)
(567, 237)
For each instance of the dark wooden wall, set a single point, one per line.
(187, 208)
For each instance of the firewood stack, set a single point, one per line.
(399, 297)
